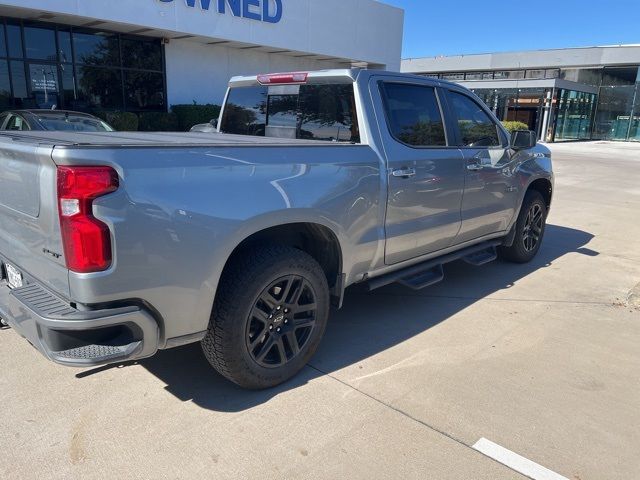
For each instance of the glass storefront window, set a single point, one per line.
(614, 112)
(40, 43)
(43, 65)
(144, 55)
(68, 87)
(614, 76)
(44, 85)
(6, 99)
(14, 36)
(535, 74)
(144, 90)
(96, 49)
(100, 88)
(587, 76)
(634, 131)
(19, 81)
(452, 76)
(65, 51)
(509, 74)
(3, 43)
(479, 76)
(575, 115)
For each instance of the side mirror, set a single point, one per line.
(214, 123)
(523, 139)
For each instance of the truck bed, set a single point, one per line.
(155, 139)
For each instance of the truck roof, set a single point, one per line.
(349, 75)
(322, 76)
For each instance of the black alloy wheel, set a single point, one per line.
(281, 321)
(533, 226)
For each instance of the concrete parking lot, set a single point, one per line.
(542, 359)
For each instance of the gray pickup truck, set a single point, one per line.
(115, 245)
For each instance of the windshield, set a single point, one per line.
(313, 112)
(74, 123)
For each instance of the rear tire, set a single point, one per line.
(269, 316)
(530, 228)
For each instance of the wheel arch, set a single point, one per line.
(545, 187)
(315, 239)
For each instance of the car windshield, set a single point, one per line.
(71, 122)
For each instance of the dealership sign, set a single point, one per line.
(269, 11)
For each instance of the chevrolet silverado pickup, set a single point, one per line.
(114, 245)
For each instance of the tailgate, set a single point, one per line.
(30, 237)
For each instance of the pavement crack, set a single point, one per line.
(388, 405)
(412, 418)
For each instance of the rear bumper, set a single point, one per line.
(73, 337)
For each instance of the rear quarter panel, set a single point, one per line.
(180, 213)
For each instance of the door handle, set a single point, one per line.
(474, 167)
(404, 173)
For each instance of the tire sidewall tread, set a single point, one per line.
(516, 253)
(242, 282)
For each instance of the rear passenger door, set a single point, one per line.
(425, 173)
(491, 190)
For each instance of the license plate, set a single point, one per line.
(14, 277)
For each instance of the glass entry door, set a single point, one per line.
(44, 85)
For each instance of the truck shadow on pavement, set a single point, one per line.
(369, 323)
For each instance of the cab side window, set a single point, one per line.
(477, 129)
(413, 115)
(17, 123)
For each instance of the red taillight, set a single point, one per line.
(280, 78)
(86, 240)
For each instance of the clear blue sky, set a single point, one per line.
(449, 27)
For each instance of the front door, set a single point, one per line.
(491, 189)
(425, 174)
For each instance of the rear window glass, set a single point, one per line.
(313, 112)
(73, 123)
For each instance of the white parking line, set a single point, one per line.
(515, 462)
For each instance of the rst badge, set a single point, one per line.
(269, 11)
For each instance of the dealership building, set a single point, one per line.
(146, 55)
(566, 94)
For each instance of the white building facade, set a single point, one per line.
(146, 55)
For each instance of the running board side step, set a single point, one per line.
(482, 257)
(431, 272)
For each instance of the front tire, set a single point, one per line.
(269, 316)
(530, 228)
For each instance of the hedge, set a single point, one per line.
(158, 122)
(189, 115)
(120, 121)
(180, 119)
(512, 126)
